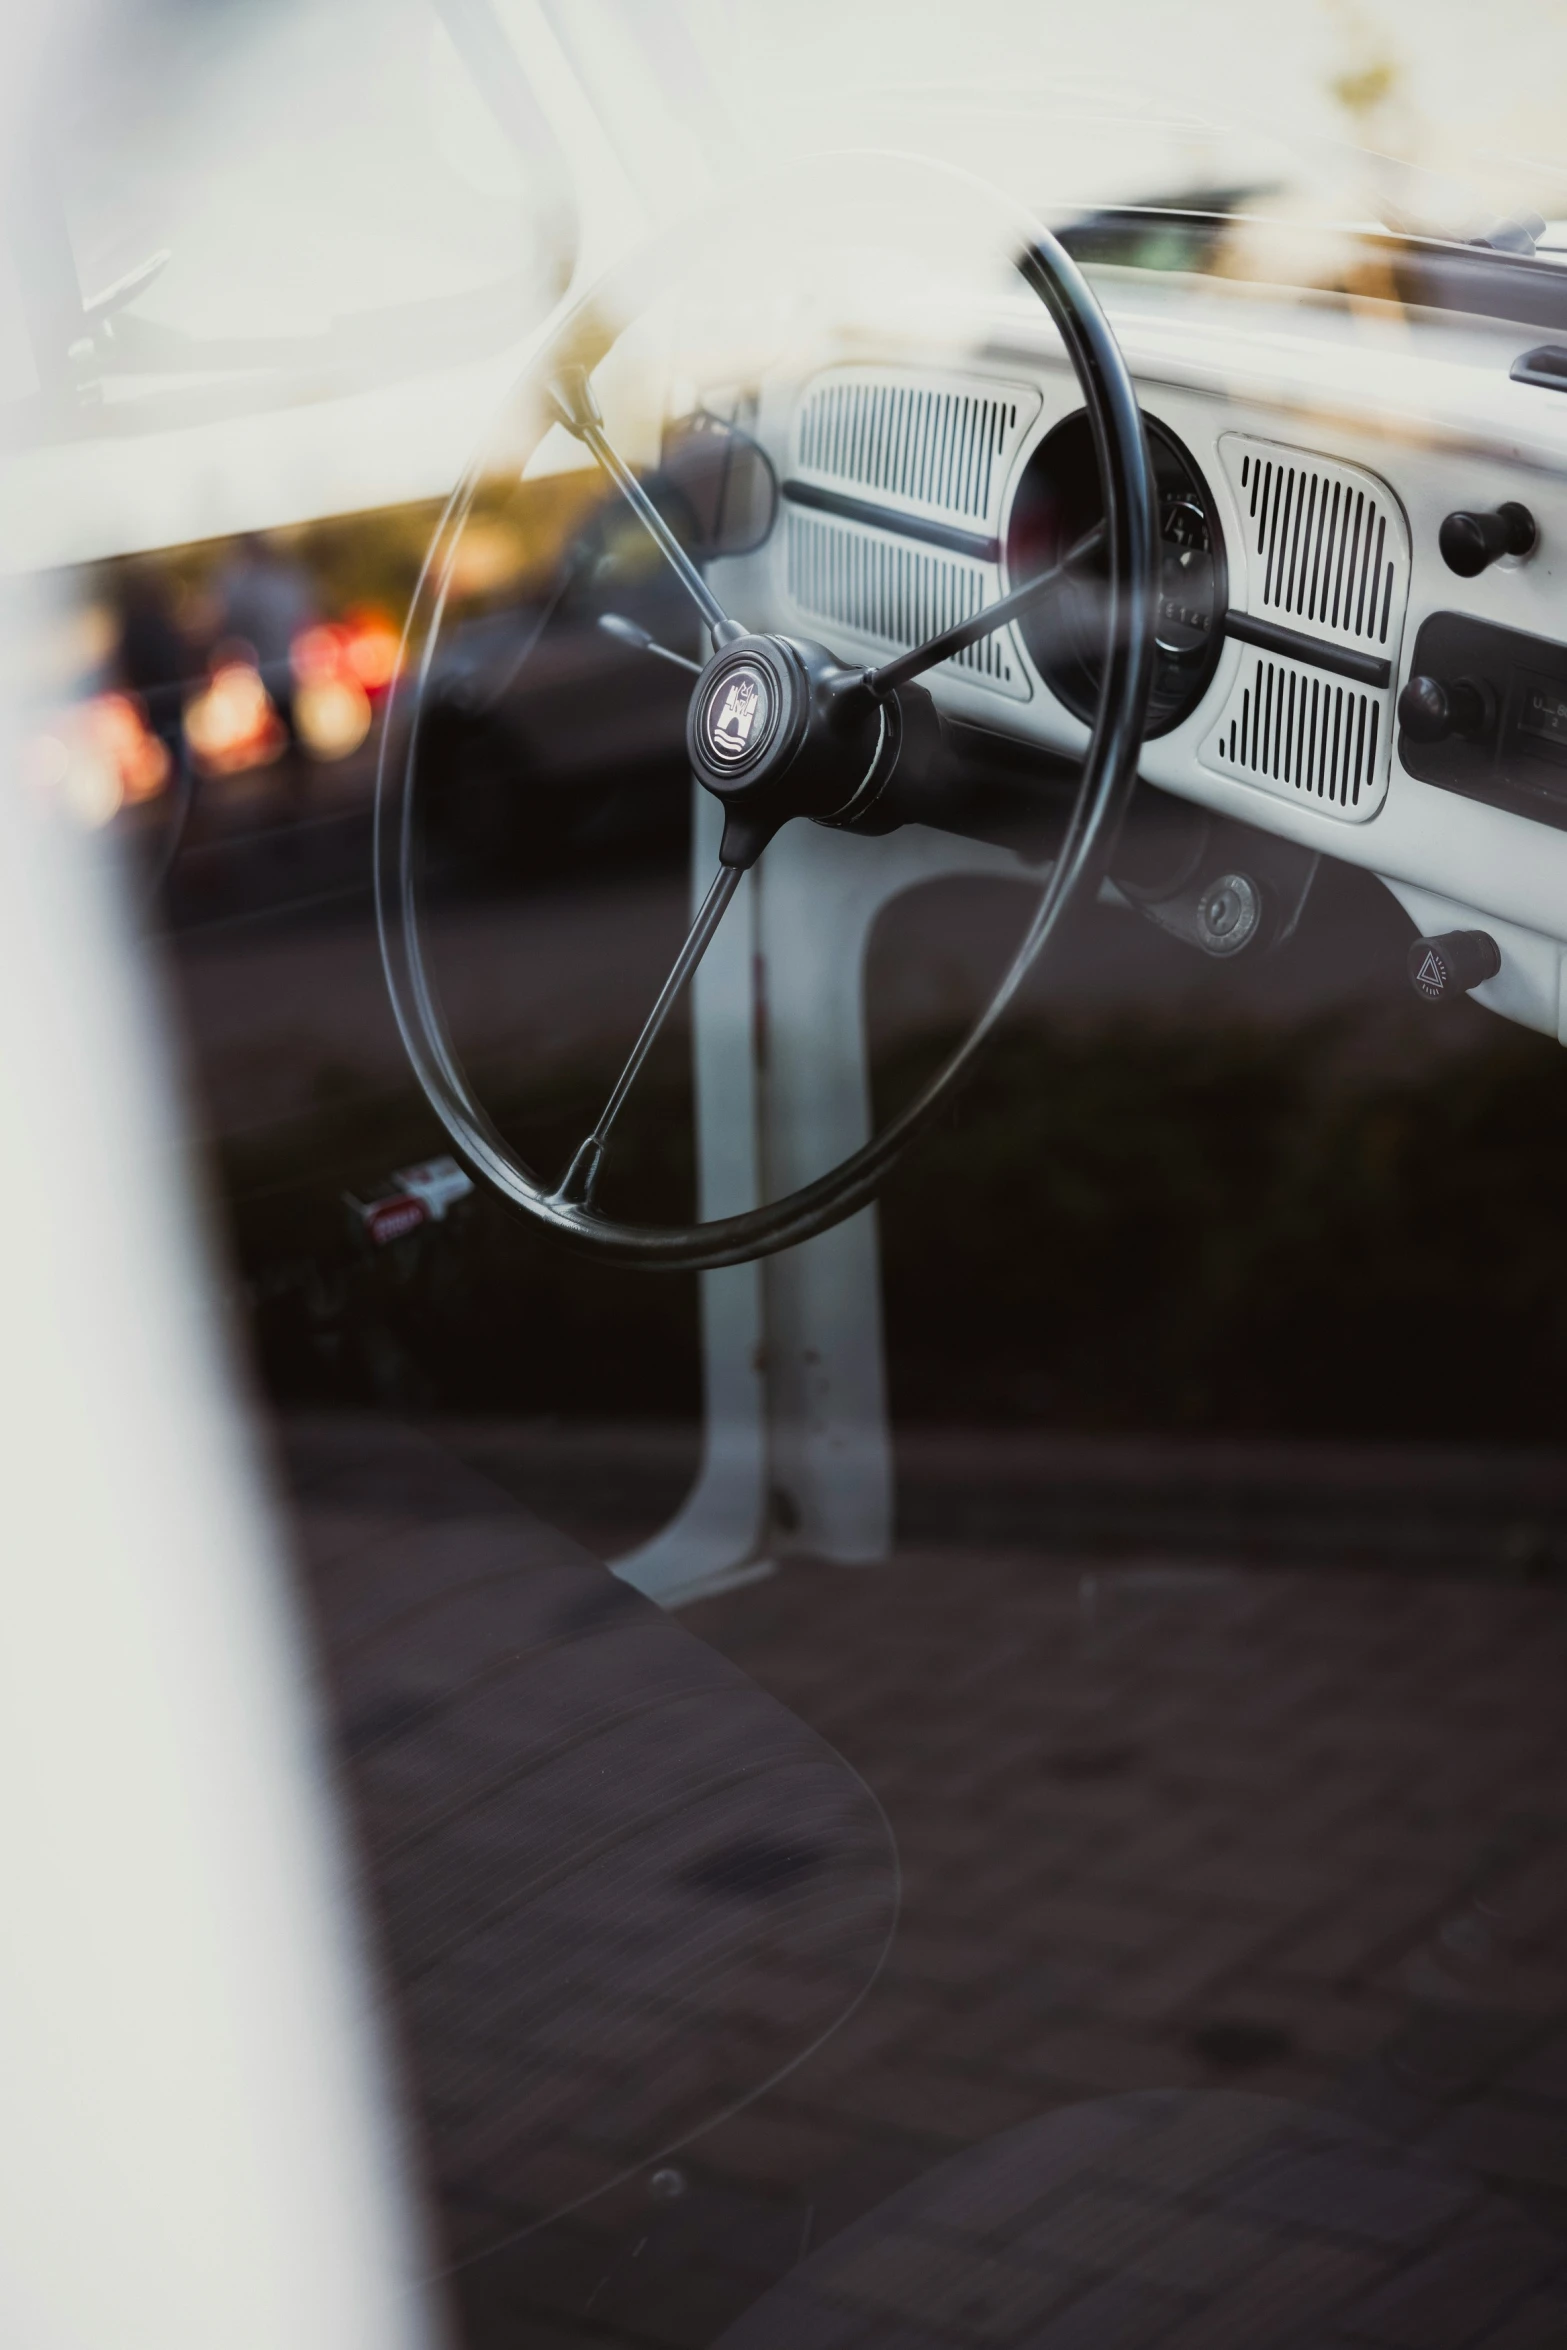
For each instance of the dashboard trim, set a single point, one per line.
(872, 516)
(1425, 405)
(1344, 661)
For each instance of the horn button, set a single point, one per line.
(778, 728)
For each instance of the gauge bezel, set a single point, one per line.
(1063, 671)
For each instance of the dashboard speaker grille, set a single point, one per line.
(934, 445)
(1305, 735)
(1324, 549)
(1326, 545)
(896, 593)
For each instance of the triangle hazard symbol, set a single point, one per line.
(1431, 974)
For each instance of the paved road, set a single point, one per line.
(1183, 1826)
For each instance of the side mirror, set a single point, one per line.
(726, 481)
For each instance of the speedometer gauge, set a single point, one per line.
(1057, 501)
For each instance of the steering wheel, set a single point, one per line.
(779, 730)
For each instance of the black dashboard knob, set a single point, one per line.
(1452, 964)
(1429, 710)
(1470, 541)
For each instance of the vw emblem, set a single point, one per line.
(739, 714)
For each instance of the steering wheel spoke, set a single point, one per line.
(957, 639)
(580, 1180)
(572, 397)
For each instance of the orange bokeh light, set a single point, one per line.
(373, 649)
(119, 733)
(361, 650)
(316, 654)
(99, 756)
(332, 715)
(233, 724)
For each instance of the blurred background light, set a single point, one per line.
(234, 723)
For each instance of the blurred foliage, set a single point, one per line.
(1236, 1229)
(359, 558)
(1368, 76)
(484, 1312)
(513, 543)
(517, 531)
(1227, 1228)
(1362, 89)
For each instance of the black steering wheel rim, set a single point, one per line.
(1108, 774)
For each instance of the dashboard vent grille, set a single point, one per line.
(1325, 543)
(1305, 735)
(933, 445)
(895, 592)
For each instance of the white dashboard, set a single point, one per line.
(1332, 439)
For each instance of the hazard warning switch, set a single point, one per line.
(1452, 964)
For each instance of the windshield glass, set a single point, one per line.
(1413, 117)
(955, 1742)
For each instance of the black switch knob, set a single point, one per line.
(1470, 541)
(1429, 711)
(1452, 964)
